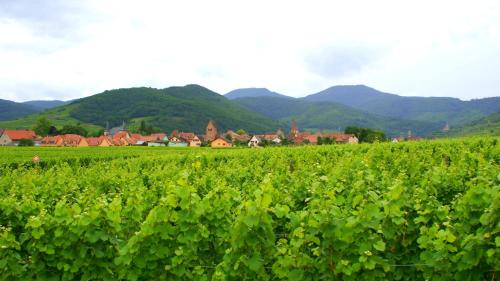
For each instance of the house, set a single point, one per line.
(101, 141)
(136, 139)
(122, 138)
(177, 142)
(281, 134)
(160, 137)
(220, 143)
(73, 140)
(191, 139)
(306, 138)
(233, 136)
(254, 141)
(13, 137)
(274, 138)
(156, 144)
(341, 137)
(51, 141)
(210, 131)
(121, 135)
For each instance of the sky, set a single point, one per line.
(66, 49)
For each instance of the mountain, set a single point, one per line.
(252, 92)
(12, 110)
(430, 109)
(45, 104)
(489, 125)
(331, 116)
(185, 108)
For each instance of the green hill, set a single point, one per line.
(12, 110)
(431, 109)
(489, 125)
(185, 108)
(45, 104)
(331, 116)
(252, 92)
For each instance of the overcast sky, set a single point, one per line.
(64, 49)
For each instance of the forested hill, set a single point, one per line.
(430, 109)
(332, 116)
(185, 108)
(12, 110)
(489, 125)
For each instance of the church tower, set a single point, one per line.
(211, 131)
(446, 127)
(294, 131)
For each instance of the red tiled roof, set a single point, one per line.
(268, 137)
(159, 136)
(149, 138)
(17, 135)
(93, 141)
(341, 137)
(71, 139)
(121, 134)
(187, 136)
(51, 139)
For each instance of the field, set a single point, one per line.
(409, 211)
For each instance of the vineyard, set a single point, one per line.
(409, 211)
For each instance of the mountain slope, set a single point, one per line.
(489, 125)
(45, 104)
(331, 116)
(252, 92)
(12, 110)
(185, 108)
(432, 109)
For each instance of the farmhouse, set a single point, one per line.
(177, 142)
(101, 141)
(233, 136)
(271, 138)
(254, 142)
(74, 140)
(13, 137)
(191, 139)
(220, 143)
(52, 141)
(341, 137)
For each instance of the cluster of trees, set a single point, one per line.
(44, 127)
(145, 129)
(366, 134)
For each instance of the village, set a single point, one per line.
(119, 136)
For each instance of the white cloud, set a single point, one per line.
(430, 48)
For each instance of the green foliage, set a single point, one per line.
(388, 211)
(145, 129)
(427, 109)
(11, 110)
(332, 116)
(73, 129)
(366, 134)
(43, 127)
(26, 142)
(97, 133)
(489, 125)
(187, 108)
